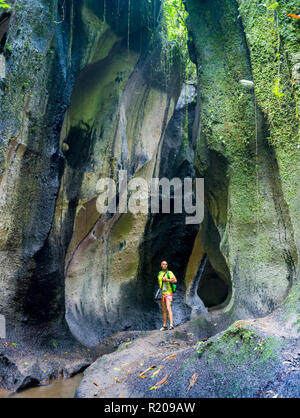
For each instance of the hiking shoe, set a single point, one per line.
(163, 328)
(171, 327)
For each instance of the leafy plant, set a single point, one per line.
(4, 5)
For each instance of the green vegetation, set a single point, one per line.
(175, 36)
(273, 40)
(4, 5)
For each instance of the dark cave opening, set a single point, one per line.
(212, 288)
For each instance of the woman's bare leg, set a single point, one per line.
(170, 313)
(164, 310)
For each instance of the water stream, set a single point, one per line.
(59, 388)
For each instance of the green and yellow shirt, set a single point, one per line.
(166, 286)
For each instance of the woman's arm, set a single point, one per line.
(171, 280)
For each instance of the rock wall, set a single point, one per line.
(243, 155)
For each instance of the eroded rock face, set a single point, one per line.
(30, 160)
(107, 286)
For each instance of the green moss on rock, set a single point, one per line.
(240, 360)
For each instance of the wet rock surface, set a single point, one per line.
(249, 359)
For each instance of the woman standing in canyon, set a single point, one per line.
(165, 280)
